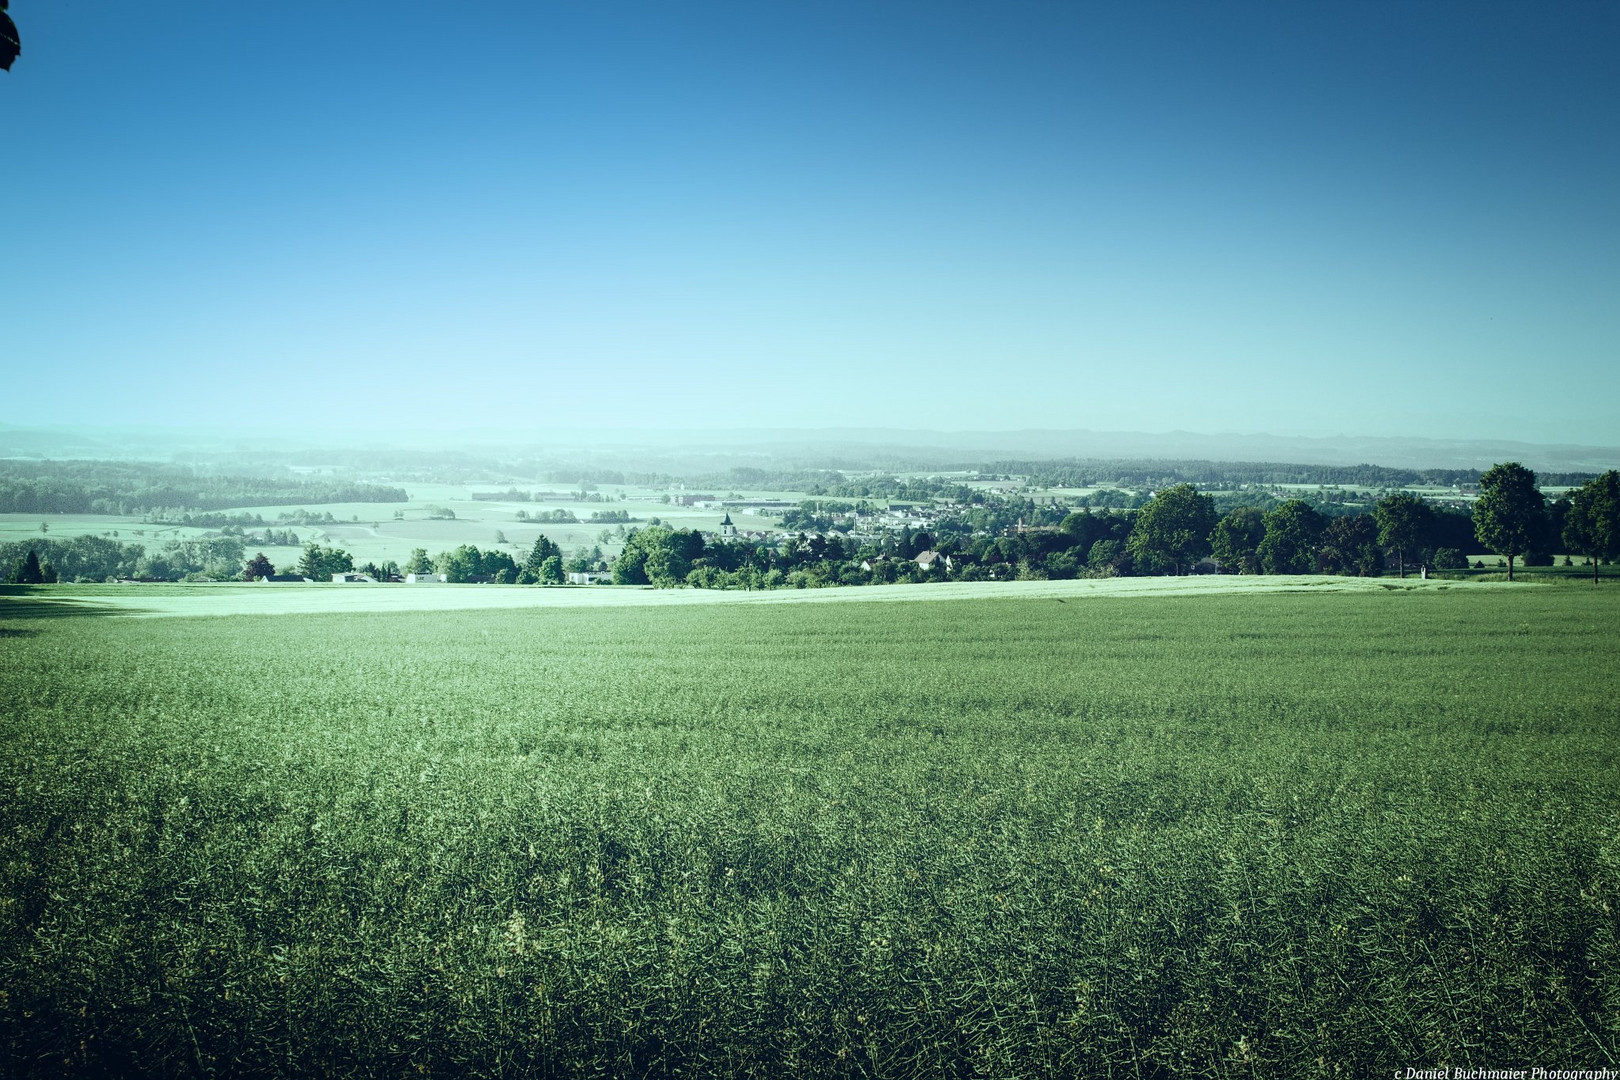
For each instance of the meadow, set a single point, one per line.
(1265, 833)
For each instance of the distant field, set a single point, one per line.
(371, 533)
(1262, 833)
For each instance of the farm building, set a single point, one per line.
(353, 577)
(426, 579)
(590, 577)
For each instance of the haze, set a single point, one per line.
(1334, 219)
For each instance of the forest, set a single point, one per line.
(134, 488)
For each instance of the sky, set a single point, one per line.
(1299, 219)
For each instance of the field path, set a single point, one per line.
(164, 601)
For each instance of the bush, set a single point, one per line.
(1449, 559)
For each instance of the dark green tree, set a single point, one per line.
(1083, 528)
(1592, 525)
(320, 563)
(463, 564)
(27, 571)
(418, 563)
(1404, 524)
(1173, 529)
(1235, 541)
(543, 549)
(257, 567)
(550, 571)
(1108, 557)
(1510, 515)
(1350, 546)
(1293, 537)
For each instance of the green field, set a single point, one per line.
(1275, 832)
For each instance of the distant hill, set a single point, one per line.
(684, 451)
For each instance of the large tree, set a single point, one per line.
(544, 548)
(1293, 537)
(1173, 528)
(257, 567)
(1592, 525)
(320, 563)
(1404, 524)
(27, 571)
(1510, 515)
(1350, 546)
(1235, 543)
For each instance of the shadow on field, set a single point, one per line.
(18, 603)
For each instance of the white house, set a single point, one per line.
(353, 578)
(426, 579)
(590, 577)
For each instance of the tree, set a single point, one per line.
(257, 567)
(1235, 541)
(1510, 515)
(1350, 546)
(1173, 528)
(1404, 524)
(550, 571)
(1592, 525)
(1293, 537)
(1083, 528)
(1108, 557)
(27, 571)
(320, 563)
(544, 548)
(460, 565)
(418, 563)
(654, 555)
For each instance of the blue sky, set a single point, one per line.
(1304, 219)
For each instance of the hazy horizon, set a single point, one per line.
(1343, 221)
(836, 448)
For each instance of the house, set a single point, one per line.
(426, 579)
(590, 577)
(930, 559)
(353, 578)
(279, 578)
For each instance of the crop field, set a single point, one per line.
(1264, 833)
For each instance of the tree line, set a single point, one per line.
(98, 558)
(133, 488)
(1011, 538)
(1511, 517)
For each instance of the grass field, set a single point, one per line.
(1272, 832)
